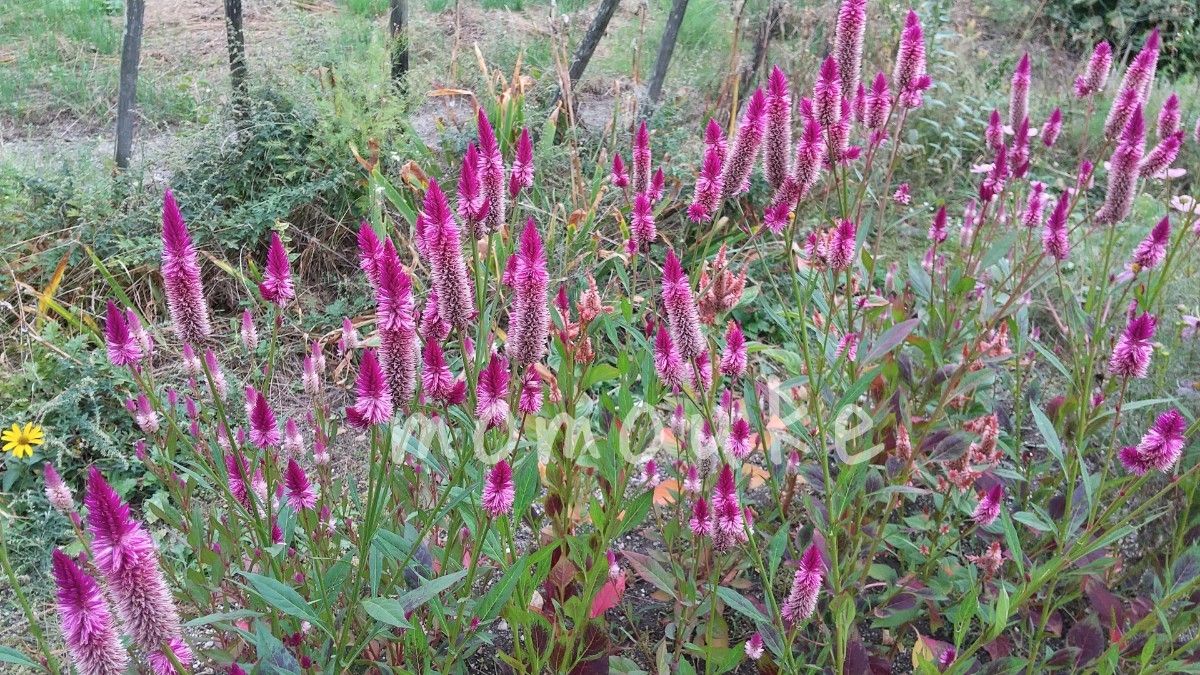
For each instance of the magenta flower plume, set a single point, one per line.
(300, 493)
(264, 430)
(701, 523)
(618, 175)
(1052, 128)
(1161, 446)
(1159, 159)
(736, 177)
(714, 138)
(728, 519)
(667, 362)
(810, 156)
(801, 602)
(641, 158)
(472, 204)
(1055, 241)
(491, 173)
(276, 286)
(827, 94)
(395, 315)
(1034, 206)
(122, 345)
(878, 103)
(842, 245)
(447, 267)
(778, 140)
(909, 75)
(1018, 99)
(739, 438)
(436, 379)
(529, 401)
(128, 559)
(1153, 249)
(733, 359)
(682, 315)
(1196, 131)
(754, 647)
(995, 131)
(988, 508)
(642, 226)
(369, 250)
(434, 326)
(87, 625)
(657, 184)
(1131, 355)
(529, 318)
(1169, 117)
(181, 276)
(498, 490)
(710, 185)
(937, 228)
(1019, 157)
(520, 176)
(848, 34)
(1096, 73)
(860, 104)
(1123, 169)
(1134, 89)
(491, 393)
(374, 403)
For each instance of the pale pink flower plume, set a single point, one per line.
(1131, 355)
(641, 158)
(801, 602)
(181, 276)
(491, 173)
(1169, 117)
(249, 333)
(57, 492)
(491, 393)
(1161, 446)
(529, 317)
(988, 508)
(498, 490)
(909, 75)
(88, 628)
(447, 266)
(754, 647)
(1157, 162)
(683, 317)
(1018, 100)
(1096, 73)
(276, 286)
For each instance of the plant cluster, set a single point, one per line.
(513, 439)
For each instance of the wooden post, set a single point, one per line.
(586, 48)
(665, 49)
(131, 50)
(398, 29)
(235, 40)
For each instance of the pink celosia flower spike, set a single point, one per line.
(123, 347)
(909, 76)
(264, 429)
(682, 315)
(1096, 74)
(801, 602)
(1169, 117)
(937, 229)
(520, 176)
(618, 175)
(472, 204)
(1123, 169)
(842, 245)
(667, 362)
(369, 249)
(498, 490)
(491, 173)
(1159, 159)
(754, 647)
(249, 333)
(657, 184)
(736, 178)
(491, 403)
(128, 558)
(529, 402)
(1131, 355)
(374, 404)
(87, 625)
(810, 155)
(641, 158)
(728, 518)
(709, 185)
(395, 314)
(733, 359)
(701, 520)
(181, 276)
(878, 103)
(529, 318)
(1055, 242)
(300, 493)
(778, 142)
(447, 267)
(827, 94)
(642, 222)
(1153, 249)
(988, 508)
(995, 131)
(57, 492)
(1053, 128)
(276, 286)
(1034, 205)
(436, 379)
(848, 37)
(1135, 86)
(1018, 100)
(1160, 447)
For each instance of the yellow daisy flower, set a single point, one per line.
(20, 441)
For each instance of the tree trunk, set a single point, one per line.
(583, 53)
(665, 49)
(398, 29)
(762, 40)
(131, 50)
(236, 46)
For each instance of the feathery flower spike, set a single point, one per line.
(300, 494)
(801, 602)
(778, 140)
(88, 628)
(989, 506)
(498, 490)
(276, 286)
(122, 345)
(181, 276)
(682, 314)
(1131, 355)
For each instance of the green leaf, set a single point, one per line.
(999, 615)
(218, 617)
(10, 655)
(636, 512)
(490, 605)
(386, 610)
(429, 590)
(1046, 428)
(890, 339)
(283, 597)
(738, 603)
